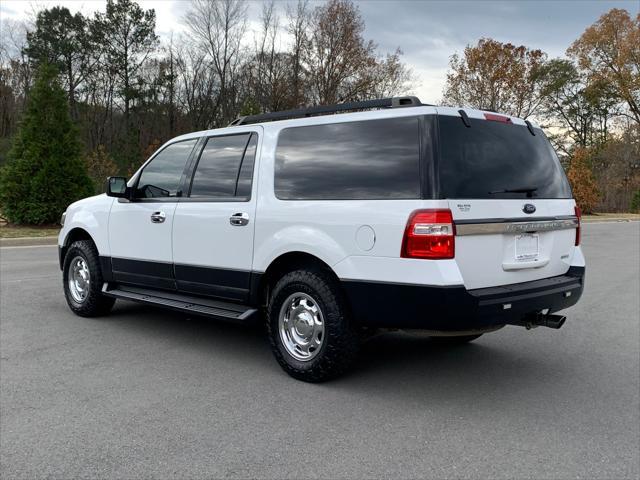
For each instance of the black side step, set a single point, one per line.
(183, 303)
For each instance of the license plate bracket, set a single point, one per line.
(527, 246)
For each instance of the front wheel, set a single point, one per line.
(82, 279)
(310, 329)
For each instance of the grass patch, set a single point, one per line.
(19, 231)
(595, 217)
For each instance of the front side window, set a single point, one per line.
(373, 159)
(161, 177)
(225, 167)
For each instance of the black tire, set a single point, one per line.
(454, 340)
(95, 303)
(340, 341)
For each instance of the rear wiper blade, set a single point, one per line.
(528, 190)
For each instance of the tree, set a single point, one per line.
(340, 64)
(63, 40)
(581, 112)
(337, 54)
(298, 20)
(217, 28)
(45, 171)
(583, 184)
(100, 166)
(390, 76)
(198, 86)
(16, 77)
(609, 51)
(267, 72)
(169, 80)
(127, 33)
(495, 76)
(616, 168)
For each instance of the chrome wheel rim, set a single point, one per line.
(79, 279)
(301, 326)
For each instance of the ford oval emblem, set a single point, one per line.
(529, 208)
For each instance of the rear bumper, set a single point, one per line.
(456, 308)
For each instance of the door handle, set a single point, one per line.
(158, 217)
(239, 219)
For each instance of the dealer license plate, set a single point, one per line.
(526, 246)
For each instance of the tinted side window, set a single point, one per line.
(161, 177)
(374, 159)
(217, 172)
(243, 188)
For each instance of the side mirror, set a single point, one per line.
(117, 187)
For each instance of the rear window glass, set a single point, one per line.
(375, 159)
(491, 157)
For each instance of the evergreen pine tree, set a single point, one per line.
(45, 171)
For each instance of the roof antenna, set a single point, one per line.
(465, 118)
(530, 127)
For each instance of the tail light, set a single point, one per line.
(497, 118)
(429, 234)
(579, 215)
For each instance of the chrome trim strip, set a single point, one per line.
(473, 221)
(515, 227)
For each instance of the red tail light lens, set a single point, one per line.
(579, 215)
(497, 118)
(429, 234)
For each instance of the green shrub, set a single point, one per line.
(635, 202)
(45, 171)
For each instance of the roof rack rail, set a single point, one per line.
(391, 102)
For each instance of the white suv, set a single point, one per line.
(392, 214)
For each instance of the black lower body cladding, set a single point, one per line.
(374, 304)
(388, 305)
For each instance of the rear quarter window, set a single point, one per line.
(374, 159)
(489, 157)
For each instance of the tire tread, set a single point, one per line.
(341, 341)
(96, 303)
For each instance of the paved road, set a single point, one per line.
(146, 393)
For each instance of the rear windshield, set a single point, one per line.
(492, 159)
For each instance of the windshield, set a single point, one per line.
(493, 160)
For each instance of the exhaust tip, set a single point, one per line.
(555, 321)
(544, 320)
(550, 321)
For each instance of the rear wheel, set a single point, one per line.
(309, 326)
(454, 340)
(82, 279)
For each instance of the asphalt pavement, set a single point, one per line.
(154, 394)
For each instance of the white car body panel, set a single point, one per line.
(91, 215)
(132, 234)
(203, 235)
(489, 260)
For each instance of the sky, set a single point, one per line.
(427, 31)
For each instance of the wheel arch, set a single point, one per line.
(287, 262)
(74, 235)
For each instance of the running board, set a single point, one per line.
(183, 303)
